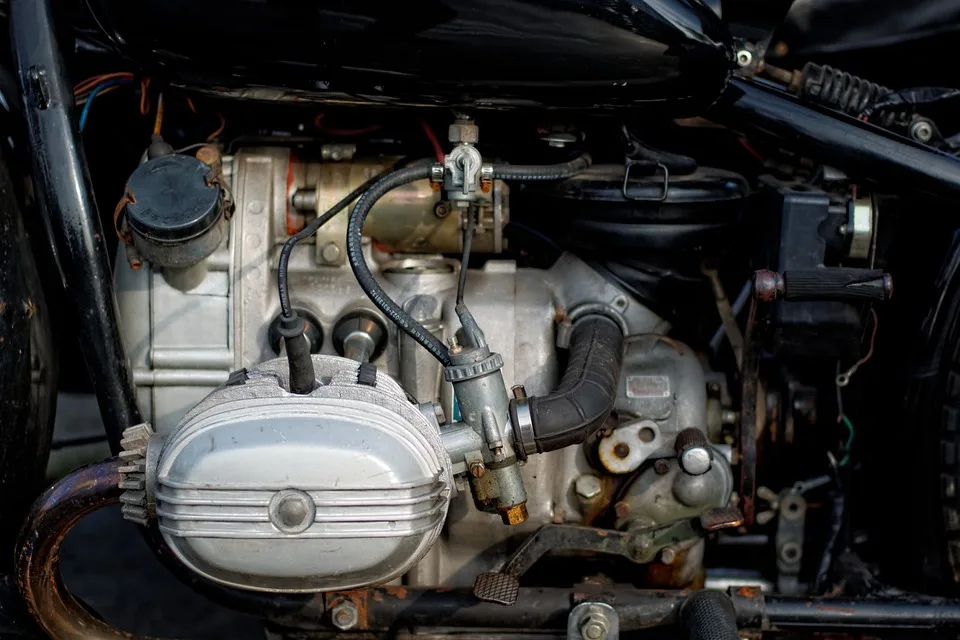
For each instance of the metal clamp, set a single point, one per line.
(628, 165)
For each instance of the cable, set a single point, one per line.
(144, 95)
(93, 94)
(283, 267)
(365, 278)
(846, 447)
(434, 142)
(223, 125)
(542, 172)
(158, 121)
(465, 260)
(89, 83)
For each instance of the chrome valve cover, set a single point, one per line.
(261, 489)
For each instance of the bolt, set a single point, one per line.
(622, 509)
(921, 130)
(345, 616)
(594, 627)
(588, 486)
(477, 469)
(454, 345)
(330, 252)
(668, 555)
(744, 58)
(441, 209)
(292, 511)
(519, 393)
(790, 552)
(661, 467)
(728, 416)
(621, 450)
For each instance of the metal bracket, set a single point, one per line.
(593, 621)
(628, 165)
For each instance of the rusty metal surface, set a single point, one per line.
(38, 551)
(765, 287)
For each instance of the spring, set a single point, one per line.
(845, 92)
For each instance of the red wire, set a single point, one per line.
(751, 150)
(434, 142)
(344, 132)
(873, 339)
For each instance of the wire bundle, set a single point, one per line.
(86, 91)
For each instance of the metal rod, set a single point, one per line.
(860, 149)
(62, 185)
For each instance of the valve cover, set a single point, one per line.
(261, 489)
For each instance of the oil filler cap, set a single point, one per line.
(173, 202)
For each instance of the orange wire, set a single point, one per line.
(144, 95)
(107, 90)
(190, 104)
(223, 125)
(89, 83)
(158, 121)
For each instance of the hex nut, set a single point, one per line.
(588, 486)
(460, 132)
(345, 616)
(594, 627)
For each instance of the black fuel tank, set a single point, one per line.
(670, 55)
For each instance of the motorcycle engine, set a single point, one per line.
(393, 467)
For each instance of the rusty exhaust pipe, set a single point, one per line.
(51, 518)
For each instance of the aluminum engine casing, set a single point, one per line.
(258, 488)
(183, 344)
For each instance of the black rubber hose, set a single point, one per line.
(709, 615)
(366, 280)
(587, 391)
(542, 172)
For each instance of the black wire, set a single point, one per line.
(464, 261)
(365, 278)
(282, 269)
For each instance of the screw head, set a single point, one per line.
(744, 58)
(695, 460)
(330, 252)
(622, 509)
(441, 209)
(668, 555)
(921, 130)
(621, 450)
(588, 486)
(661, 466)
(477, 470)
(345, 616)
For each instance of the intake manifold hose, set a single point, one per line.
(585, 396)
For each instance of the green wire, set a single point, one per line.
(846, 447)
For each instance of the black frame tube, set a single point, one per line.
(62, 186)
(860, 149)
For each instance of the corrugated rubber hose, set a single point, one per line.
(709, 615)
(588, 389)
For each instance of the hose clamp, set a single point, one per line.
(522, 420)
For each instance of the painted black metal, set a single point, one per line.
(28, 369)
(591, 54)
(861, 150)
(62, 187)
